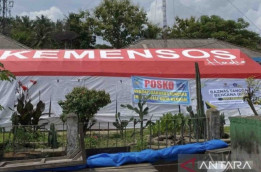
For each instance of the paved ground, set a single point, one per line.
(125, 168)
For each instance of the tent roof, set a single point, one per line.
(193, 43)
(171, 63)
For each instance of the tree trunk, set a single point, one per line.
(250, 103)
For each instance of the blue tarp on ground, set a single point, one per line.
(167, 154)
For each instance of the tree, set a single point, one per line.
(42, 31)
(82, 24)
(22, 30)
(253, 87)
(119, 22)
(152, 31)
(5, 75)
(85, 104)
(216, 27)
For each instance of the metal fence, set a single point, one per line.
(155, 135)
(31, 141)
(34, 141)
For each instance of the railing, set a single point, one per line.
(31, 141)
(157, 134)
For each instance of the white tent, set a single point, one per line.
(57, 72)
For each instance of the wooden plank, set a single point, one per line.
(2, 164)
(125, 168)
(222, 150)
(39, 165)
(43, 160)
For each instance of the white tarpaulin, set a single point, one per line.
(55, 88)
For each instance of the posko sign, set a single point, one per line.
(161, 91)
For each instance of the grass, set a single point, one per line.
(227, 129)
(26, 140)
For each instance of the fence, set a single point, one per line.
(32, 141)
(36, 141)
(157, 134)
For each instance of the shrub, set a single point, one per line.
(141, 144)
(91, 141)
(170, 123)
(85, 104)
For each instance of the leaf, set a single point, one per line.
(131, 119)
(29, 106)
(146, 111)
(1, 107)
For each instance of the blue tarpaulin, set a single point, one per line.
(167, 154)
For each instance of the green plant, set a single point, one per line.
(26, 113)
(23, 135)
(250, 96)
(222, 125)
(5, 75)
(141, 144)
(85, 104)
(119, 22)
(197, 123)
(91, 141)
(121, 124)
(52, 137)
(170, 123)
(142, 111)
(200, 116)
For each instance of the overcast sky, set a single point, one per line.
(250, 10)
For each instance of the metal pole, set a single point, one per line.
(189, 130)
(150, 135)
(99, 133)
(3, 16)
(166, 133)
(174, 132)
(108, 134)
(164, 9)
(117, 96)
(5, 8)
(158, 131)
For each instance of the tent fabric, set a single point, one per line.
(55, 88)
(169, 154)
(172, 63)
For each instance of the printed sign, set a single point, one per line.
(162, 91)
(225, 94)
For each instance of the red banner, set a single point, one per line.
(123, 62)
(209, 56)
